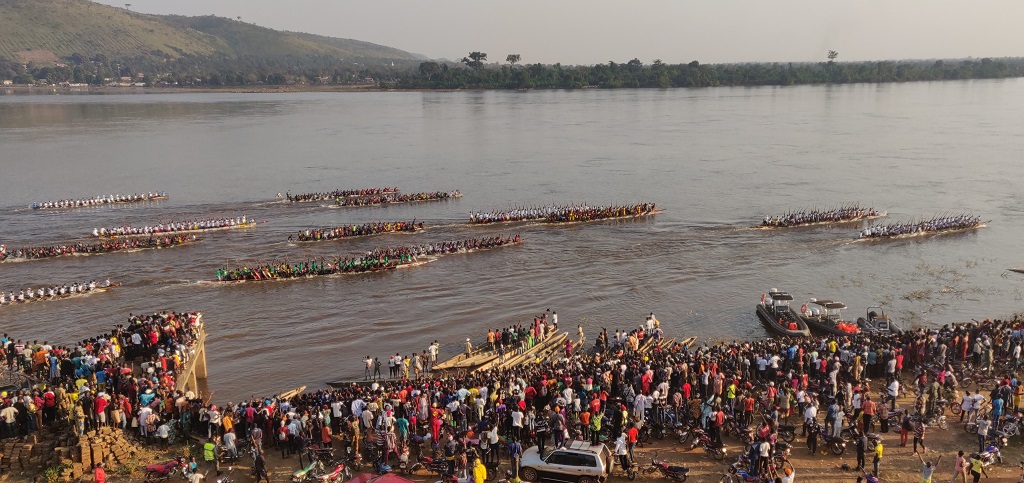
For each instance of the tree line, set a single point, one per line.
(473, 72)
(159, 68)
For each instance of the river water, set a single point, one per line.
(717, 160)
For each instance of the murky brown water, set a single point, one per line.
(716, 159)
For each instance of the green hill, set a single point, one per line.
(43, 30)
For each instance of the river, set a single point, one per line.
(717, 160)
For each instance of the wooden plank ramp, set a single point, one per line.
(478, 359)
(648, 348)
(553, 352)
(462, 357)
(687, 342)
(527, 355)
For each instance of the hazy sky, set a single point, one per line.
(593, 31)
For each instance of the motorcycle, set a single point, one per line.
(631, 470)
(702, 439)
(835, 444)
(324, 455)
(226, 478)
(355, 458)
(787, 432)
(381, 467)
(782, 452)
(673, 472)
(159, 472)
(990, 456)
(738, 473)
(435, 465)
(227, 457)
(684, 432)
(937, 419)
(895, 419)
(339, 473)
(735, 428)
(1011, 425)
(998, 439)
(644, 434)
(308, 473)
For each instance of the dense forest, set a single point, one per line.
(474, 73)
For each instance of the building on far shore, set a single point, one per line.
(7, 82)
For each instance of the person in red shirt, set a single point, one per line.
(98, 475)
(645, 382)
(748, 409)
(101, 411)
(686, 390)
(126, 410)
(716, 428)
(631, 436)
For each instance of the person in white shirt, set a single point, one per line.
(893, 390)
(966, 403)
(810, 417)
(517, 423)
(229, 443)
(764, 452)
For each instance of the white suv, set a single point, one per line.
(578, 462)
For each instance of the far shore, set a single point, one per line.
(270, 89)
(23, 89)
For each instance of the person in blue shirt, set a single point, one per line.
(997, 409)
(54, 367)
(146, 397)
(402, 428)
(515, 451)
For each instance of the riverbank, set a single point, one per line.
(329, 88)
(183, 335)
(900, 464)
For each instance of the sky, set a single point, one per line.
(597, 31)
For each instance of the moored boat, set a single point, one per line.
(58, 292)
(197, 226)
(355, 231)
(778, 317)
(845, 214)
(825, 316)
(876, 322)
(99, 201)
